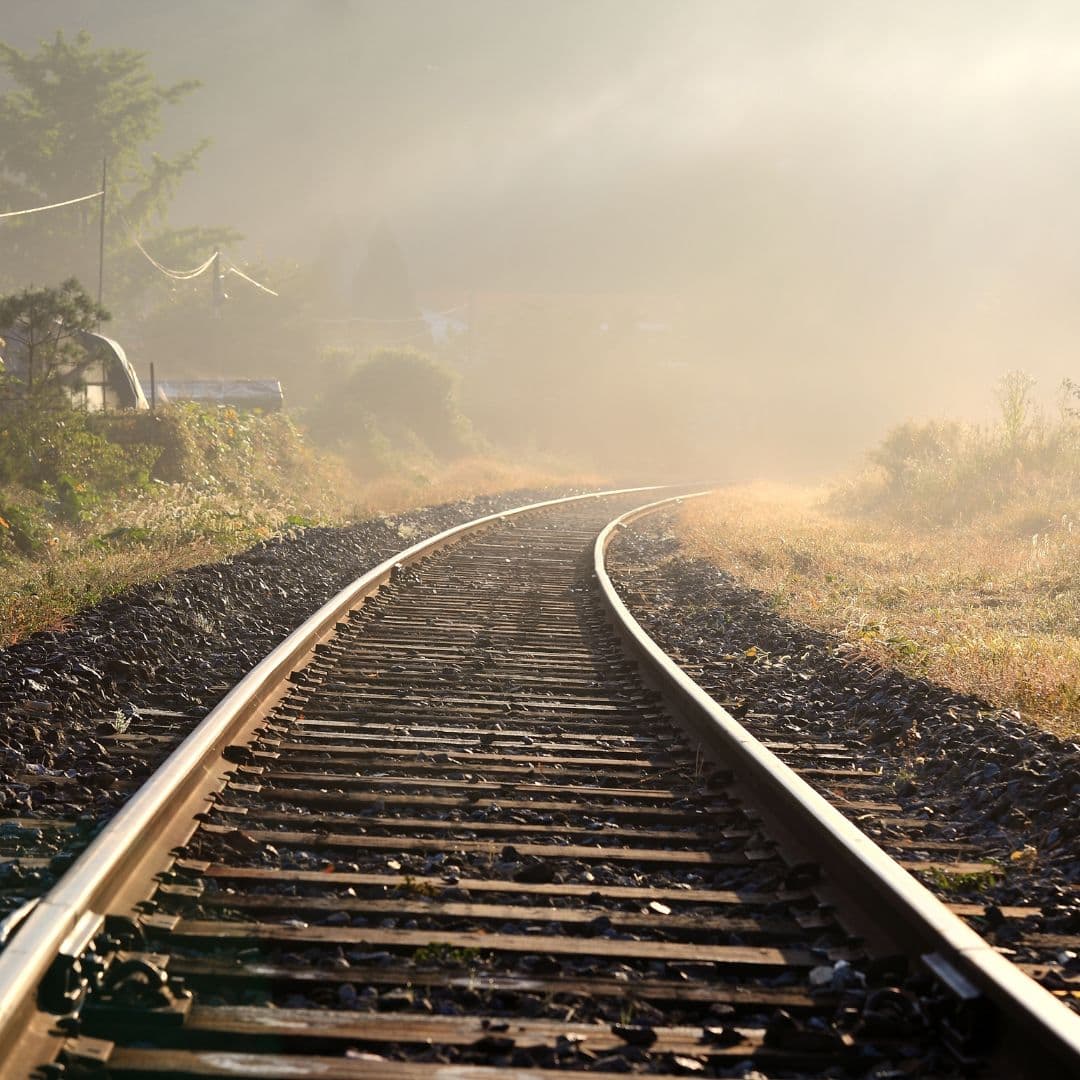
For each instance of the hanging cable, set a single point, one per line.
(251, 281)
(176, 275)
(52, 206)
(190, 275)
(373, 319)
(179, 275)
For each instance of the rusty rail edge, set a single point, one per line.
(1038, 1033)
(99, 873)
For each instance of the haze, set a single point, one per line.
(841, 213)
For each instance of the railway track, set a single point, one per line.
(1017, 888)
(469, 818)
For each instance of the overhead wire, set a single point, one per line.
(258, 285)
(373, 319)
(176, 275)
(190, 275)
(52, 206)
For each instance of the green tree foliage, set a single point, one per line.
(71, 107)
(74, 105)
(41, 327)
(48, 452)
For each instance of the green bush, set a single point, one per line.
(398, 402)
(60, 466)
(215, 447)
(23, 528)
(49, 447)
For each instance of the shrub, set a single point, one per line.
(912, 452)
(68, 462)
(396, 402)
(49, 447)
(942, 470)
(22, 526)
(213, 447)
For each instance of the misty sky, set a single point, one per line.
(877, 199)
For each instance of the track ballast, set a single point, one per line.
(470, 837)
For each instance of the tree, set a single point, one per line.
(41, 328)
(382, 288)
(73, 106)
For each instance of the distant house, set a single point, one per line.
(443, 326)
(262, 394)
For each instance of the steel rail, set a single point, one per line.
(66, 918)
(1036, 1031)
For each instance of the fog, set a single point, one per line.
(806, 221)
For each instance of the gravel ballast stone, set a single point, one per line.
(88, 711)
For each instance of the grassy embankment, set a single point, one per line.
(82, 519)
(957, 558)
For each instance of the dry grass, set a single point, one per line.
(466, 478)
(42, 594)
(988, 607)
(175, 526)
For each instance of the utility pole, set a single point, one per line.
(101, 231)
(217, 284)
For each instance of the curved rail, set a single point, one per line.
(1037, 1026)
(64, 921)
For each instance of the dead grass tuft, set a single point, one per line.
(428, 484)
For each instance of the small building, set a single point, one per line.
(110, 382)
(103, 380)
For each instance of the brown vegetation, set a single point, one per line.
(988, 607)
